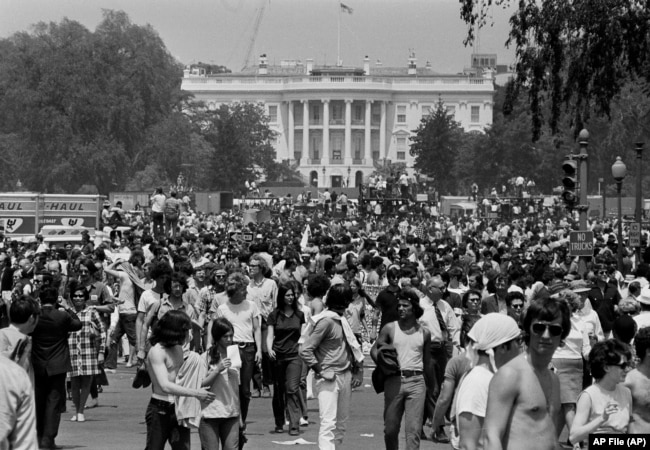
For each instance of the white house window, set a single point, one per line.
(358, 112)
(401, 114)
(475, 114)
(273, 114)
(426, 111)
(401, 144)
(401, 156)
(337, 113)
(315, 113)
(451, 111)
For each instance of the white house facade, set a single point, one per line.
(336, 124)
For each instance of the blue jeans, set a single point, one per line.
(286, 392)
(403, 397)
(162, 426)
(222, 430)
(247, 355)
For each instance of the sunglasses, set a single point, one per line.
(77, 296)
(517, 305)
(623, 366)
(554, 329)
(602, 272)
(474, 299)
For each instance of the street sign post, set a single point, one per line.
(635, 235)
(581, 243)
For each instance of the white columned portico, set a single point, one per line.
(347, 159)
(305, 127)
(326, 131)
(367, 152)
(382, 131)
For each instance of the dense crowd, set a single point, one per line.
(481, 331)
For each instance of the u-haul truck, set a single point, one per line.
(25, 214)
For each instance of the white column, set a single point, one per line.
(347, 157)
(291, 131)
(305, 128)
(367, 138)
(326, 131)
(382, 132)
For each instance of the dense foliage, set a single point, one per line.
(571, 55)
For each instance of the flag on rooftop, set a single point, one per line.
(346, 8)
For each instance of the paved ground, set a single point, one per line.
(118, 422)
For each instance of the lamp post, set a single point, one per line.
(347, 183)
(618, 172)
(324, 177)
(639, 194)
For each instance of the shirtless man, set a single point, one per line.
(164, 360)
(524, 395)
(638, 381)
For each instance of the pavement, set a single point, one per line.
(118, 421)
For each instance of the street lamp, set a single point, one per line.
(349, 171)
(618, 172)
(639, 194)
(324, 176)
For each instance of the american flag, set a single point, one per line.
(346, 8)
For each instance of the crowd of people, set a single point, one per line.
(482, 332)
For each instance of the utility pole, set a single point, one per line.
(639, 196)
(583, 206)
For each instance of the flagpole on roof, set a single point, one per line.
(338, 44)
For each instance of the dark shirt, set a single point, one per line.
(387, 302)
(603, 301)
(286, 333)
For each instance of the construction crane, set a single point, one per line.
(256, 29)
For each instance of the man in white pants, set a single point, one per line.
(333, 353)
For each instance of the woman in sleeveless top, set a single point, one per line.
(605, 406)
(405, 392)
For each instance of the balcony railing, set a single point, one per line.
(314, 161)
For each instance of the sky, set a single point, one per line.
(221, 31)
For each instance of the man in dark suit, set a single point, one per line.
(51, 361)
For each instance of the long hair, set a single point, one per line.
(220, 327)
(284, 288)
(171, 329)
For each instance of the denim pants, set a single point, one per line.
(334, 409)
(403, 397)
(125, 325)
(286, 392)
(162, 426)
(222, 430)
(247, 355)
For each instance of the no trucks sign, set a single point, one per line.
(581, 243)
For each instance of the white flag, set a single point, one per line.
(305, 237)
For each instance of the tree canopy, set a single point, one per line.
(104, 108)
(572, 56)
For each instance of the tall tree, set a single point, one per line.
(240, 138)
(435, 145)
(82, 102)
(577, 54)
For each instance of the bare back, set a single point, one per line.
(639, 385)
(533, 411)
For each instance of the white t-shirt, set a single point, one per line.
(158, 203)
(473, 392)
(241, 317)
(148, 299)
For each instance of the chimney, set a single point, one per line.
(428, 66)
(366, 65)
(310, 65)
(412, 64)
(378, 63)
(263, 65)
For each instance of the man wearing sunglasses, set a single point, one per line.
(524, 395)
